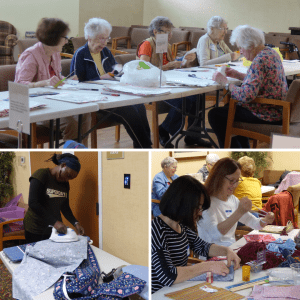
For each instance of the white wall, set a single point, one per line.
(25, 14)
(268, 15)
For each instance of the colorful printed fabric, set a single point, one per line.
(259, 238)
(12, 227)
(265, 78)
(83, 283)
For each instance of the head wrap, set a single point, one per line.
(212, 158)
(71, 162)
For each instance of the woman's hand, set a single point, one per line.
(53, 81)
(231, 73)
(234, 56)
(60, 227)
(217, 267)
(269, 218)
(79, 229)
(190, 56)
(106, 76)
(245, 205)
(232, 257)
(172, 65)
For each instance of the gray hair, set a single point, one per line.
(215, 22)
(168, 161)
(212, 158)
(247, 37)
(96, 26)
(159, 22)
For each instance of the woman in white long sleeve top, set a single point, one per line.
(219, 222)
(211, 48)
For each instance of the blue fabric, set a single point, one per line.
(74, 145)
(133, 117)
(160, 184)
(228, 277)
(84, 282)
(71, 162)
(289, 245)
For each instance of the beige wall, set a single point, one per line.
(286, 160)
(183, 166)
(25, 14)
(21, 175)
(268, 15)
(116, 12)
(125, 211)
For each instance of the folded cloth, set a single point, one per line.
(279, 246)
(228, 277)
(261, 292)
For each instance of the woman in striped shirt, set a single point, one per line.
(174, 234)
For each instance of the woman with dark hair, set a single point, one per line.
(173, 235)
(219, 222)
(40, 65)
(49, 196)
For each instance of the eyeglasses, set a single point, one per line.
(103, 39)
(223, 28)
(233, 182)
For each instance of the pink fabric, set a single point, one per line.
(33, 65)
(291, 178)
(275, 292)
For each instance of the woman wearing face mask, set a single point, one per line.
(219, 222)
(49, 196)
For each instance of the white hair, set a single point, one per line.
(215, 22)
(96, 26)
(212, 158)
(168, 161)
(247, 37)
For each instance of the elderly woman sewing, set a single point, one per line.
(219, 222)
(265, 78)
(146, 51)
(162, 181)
(40, 65)
(211, 48)
(94, 61)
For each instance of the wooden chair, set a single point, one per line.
(262, 132)
(16, 235)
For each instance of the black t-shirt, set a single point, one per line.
(47, 199)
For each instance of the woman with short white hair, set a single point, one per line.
(265, 78)
(211, 159)
(94, 61)
(211, 48)
(162, 181)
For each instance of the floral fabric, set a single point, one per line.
(265, 78)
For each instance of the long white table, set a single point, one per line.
(106, 263)
(160, 295)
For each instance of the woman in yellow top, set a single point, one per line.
(250, 187)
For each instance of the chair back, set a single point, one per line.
(119, 31)
(26, 43)
(293, 96)
(195, 36)
(178, 36)
(6, 29)
(65, 67)
(124, 58)
(78, 42)
(138, 35)
(276, 39)
(7, 73)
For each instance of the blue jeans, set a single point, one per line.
(134, 119)
(217, 118)
(173, 120)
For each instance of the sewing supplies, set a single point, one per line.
(263, 212)
(209, 277)
(246, 285)
(246, 273)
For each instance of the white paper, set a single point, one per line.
(161, 43)
(77, 98)
(19, 107)
(138, 90)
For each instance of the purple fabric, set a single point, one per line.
(14, 201)
(290, 179)
(12, 212)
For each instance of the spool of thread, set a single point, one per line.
(209, 277)
(246, 273)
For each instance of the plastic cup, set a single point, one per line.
(296, 273)
(246, 273)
